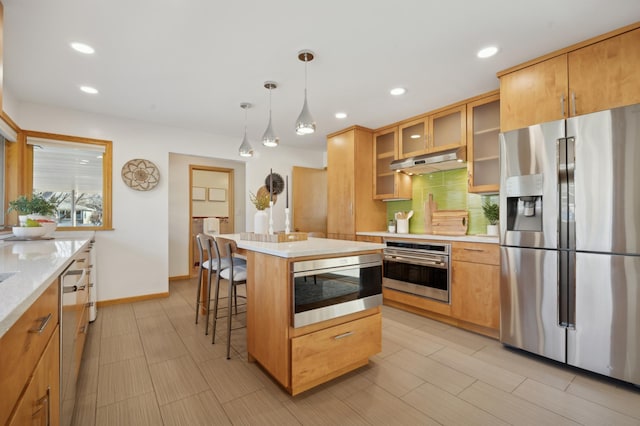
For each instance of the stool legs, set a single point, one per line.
(198, 290)
(215, 308)
(208, 301)
(232, 288)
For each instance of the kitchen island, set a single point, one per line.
(303, 357)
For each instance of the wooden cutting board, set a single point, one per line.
(450, 222)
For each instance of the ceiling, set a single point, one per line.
(190, 63)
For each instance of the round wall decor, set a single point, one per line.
(140, 174)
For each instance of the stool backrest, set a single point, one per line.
(207, 247)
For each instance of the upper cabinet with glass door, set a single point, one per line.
(483, 130)
(387, 184)
(432, 133)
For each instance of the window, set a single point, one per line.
(75, 174)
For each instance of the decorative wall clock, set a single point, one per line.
(140, 174)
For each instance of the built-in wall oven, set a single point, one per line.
(329, 288)
(418, 268)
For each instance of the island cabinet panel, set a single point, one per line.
(40, 403)
(22, 346)
(325, 354)
(475, 284)
(269, 313)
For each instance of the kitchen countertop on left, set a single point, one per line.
(35, 265)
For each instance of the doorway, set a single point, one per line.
(211, 205)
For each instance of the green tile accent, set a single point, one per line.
(449, 189)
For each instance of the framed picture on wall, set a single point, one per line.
(217, 194)
(198, 193)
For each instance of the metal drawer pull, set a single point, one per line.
(343, 335)
(473, 249)
(44, 402)
(43, 324)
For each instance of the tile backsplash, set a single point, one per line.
(449, 189)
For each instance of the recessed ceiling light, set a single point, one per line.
(398, 91)
(487, 52)
(82, 48)
(341, 115)
(88, 89)
(415, 136)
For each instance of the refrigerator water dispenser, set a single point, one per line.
(524, 203)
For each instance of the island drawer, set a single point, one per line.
(476, 253)
(320, 354)
(22, 346)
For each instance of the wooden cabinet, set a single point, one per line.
(40, 402)
(388, 184)
(605, 75)
(23, 346)
(474, 291)
(594, 75)
(483, 144)
(350, 203)
(438, 131)
(320, 355)
(301, 358)
(475, 284)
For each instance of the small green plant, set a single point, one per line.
(37, 204)
(491, 212)
(261, 201)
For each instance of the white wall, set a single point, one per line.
(134, 257)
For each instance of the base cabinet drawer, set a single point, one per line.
(40, 404)
(22, 345)
(316, 357)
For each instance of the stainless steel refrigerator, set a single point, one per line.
(570, 241)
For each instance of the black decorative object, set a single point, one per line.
(278, 183)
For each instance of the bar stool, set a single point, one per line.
(236, 275)
(212, 263)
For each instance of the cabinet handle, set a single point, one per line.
(473, 249)
(343, 335)
(44, 402)
(562, 104)
(573, 103)
(43, 324)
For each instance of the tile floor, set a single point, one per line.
(147, 363)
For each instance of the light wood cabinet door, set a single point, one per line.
(535, 94)
(22, 346)
(388, 184)
(475, 283)
(340, 183)
(483, 144)
(475, 293)
(605, 75)
(40, 403)
(413, 137)
(351, 206)
(447, 129)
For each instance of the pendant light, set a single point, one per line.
(305, 124)
(245, 148)
(269, 138)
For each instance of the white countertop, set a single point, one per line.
(463, 238)
(36, 264)
(309, 247)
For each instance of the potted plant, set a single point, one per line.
(492, 214)
(260, 219)
(37, 208)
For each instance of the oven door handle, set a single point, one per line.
(438, 263)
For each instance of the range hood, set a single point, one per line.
(428, 163)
